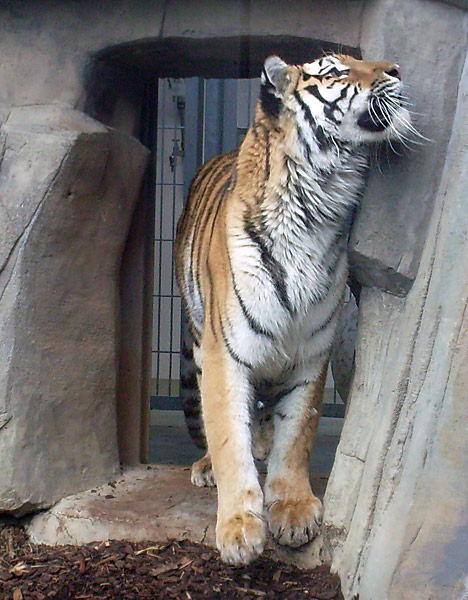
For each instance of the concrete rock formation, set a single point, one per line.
(428, 40)
(396, 517)
(67, 189)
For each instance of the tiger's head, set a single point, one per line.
(338, 97)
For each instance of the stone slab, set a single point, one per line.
(147, 503)
(339, 24)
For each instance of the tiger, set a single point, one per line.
(261, 264)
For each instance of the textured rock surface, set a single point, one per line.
(342, 358)
(49, 43)
(396, 505)
(143, 504)
(429, 41)
(67, 190)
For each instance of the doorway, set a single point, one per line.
(197, 119)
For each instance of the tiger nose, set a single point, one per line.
(394, 71)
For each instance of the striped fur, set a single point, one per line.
(262, 266)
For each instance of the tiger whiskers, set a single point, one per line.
(391, 108)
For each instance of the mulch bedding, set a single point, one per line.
(127, 571)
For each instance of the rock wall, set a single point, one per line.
(429, 41)
(49, 44)
(396, 518)
(67, 190)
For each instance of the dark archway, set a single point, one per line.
(121, 83)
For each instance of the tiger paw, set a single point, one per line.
(202, 473)
(295, 522)
(241, 538)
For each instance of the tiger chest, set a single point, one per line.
(282, 314)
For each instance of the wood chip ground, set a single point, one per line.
(127, 571)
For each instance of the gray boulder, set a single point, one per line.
(68, 186)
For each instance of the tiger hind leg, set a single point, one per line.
(294, 513)
(202, 472)
(262, 436)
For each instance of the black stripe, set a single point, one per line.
(193, 419)
(314, 214)
(329, 108)
(220, 198)
(305, 145)
(192, 411)
(356, 93)
(327, 321)
(222, 195)
(201, 222)
(209, 197)
(336, 247)
(267, 158)
(254, 325)
(205, 176)
(309, 211)
(196, 333)
(305, 109)
(189, 382)
(274, 268)
(313, 89)
(324, 141)
(186, 351)
(209, 176)
(265, 178)
(233, 354)
(193, 329)
(252, 322)
(212, 299)
(254, 129)
(330, 279)
(271, 104)
(263, 392)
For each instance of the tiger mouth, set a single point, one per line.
(377, 117)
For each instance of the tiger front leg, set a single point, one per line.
(294, 512)
(241, 527)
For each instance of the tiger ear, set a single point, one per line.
(275, 74)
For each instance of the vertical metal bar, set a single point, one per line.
(162, 132)
(213, 118)
(171, 317)
(229, 115)
(193, 141)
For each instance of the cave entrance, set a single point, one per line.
(175, 95)
(197, 119)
